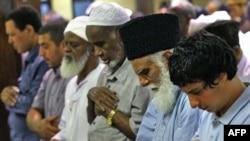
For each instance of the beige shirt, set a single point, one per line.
(133, 101)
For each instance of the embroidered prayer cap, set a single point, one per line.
(91, 6)
(149, 34)
(227, 30)
(78, 26)
(108, 14)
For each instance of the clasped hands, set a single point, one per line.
(47, 127)
(104, 100)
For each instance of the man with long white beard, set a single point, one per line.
(79, 59)
(148, 43)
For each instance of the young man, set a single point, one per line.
(169, 116)
(79, 59)
(117, 106)
(22, 31)
(46, 110)
(204, 66)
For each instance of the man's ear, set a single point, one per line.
(167, 54)
(91, 49)
(223, 77)
(29, 28)
(62, 44)
(237, 52)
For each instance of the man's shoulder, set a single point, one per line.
(49, 72)
(40, 63)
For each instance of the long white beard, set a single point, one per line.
(73, 66)
(164, 96)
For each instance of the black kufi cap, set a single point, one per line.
(149, 34)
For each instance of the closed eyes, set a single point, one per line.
(99, 43)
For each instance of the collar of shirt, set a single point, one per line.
(235, 108)
(32, 55)
(57, 72)
(122, 73)
(83, 84)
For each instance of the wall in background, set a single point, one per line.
(63, 7)
(131, 4)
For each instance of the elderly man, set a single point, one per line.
(169, 116)
(117, 105)
(79, 59)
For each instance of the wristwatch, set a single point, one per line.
(110, 117)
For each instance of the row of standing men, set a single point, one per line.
(174, 98)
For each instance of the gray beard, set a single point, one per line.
(164, 97)
(73, 66)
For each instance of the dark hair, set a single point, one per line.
(201, 57)
(55, 30)
(163, 5)
(224, 7)
(199, 10)
(228, 30)
(25, 15)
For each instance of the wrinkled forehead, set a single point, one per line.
(70, 36)
(96, 33)
(142, 62)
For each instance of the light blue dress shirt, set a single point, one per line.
(211, 127)
(29, 82)
(178, 125)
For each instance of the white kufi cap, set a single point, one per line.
(108, 14)
(78, 26)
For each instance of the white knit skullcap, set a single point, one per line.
(108, 14)
(78, 26)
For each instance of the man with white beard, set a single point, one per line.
(79, 59)
(116, 106)
(148, 43)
